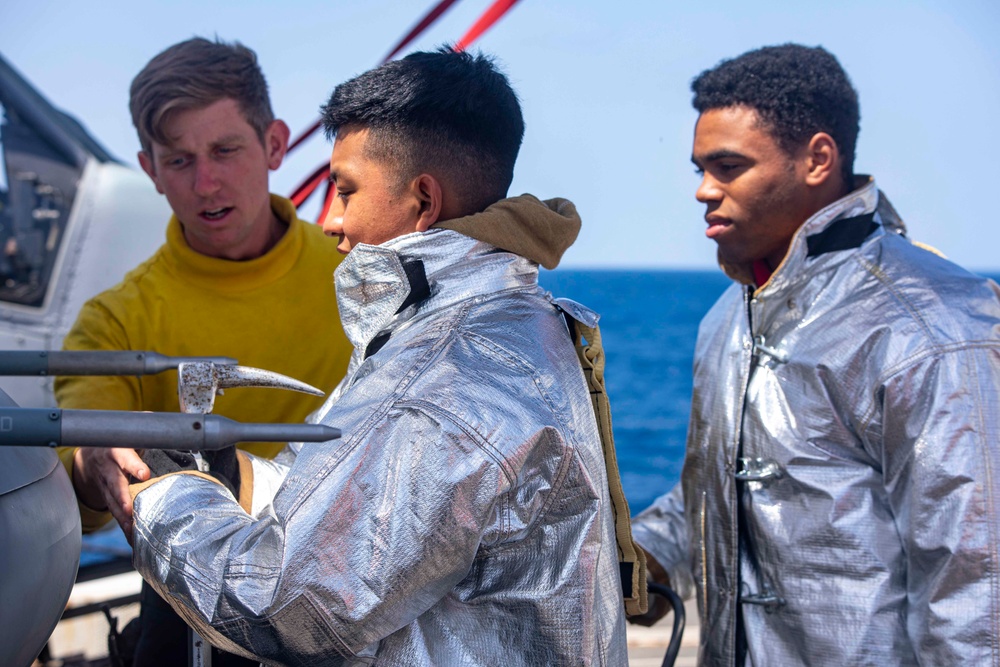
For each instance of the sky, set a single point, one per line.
(605, 92)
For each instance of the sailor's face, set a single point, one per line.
(214, 173)
(755, 192)
(372, 206)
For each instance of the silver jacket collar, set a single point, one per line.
(866, 198)
(463, 518)
(373, 285)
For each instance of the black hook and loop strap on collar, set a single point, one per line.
(377, 343)
(842, 235)
(420, 290)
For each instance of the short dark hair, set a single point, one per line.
(192, 75)
(449, 111)
(796, 90)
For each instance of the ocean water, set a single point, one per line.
(649, 321)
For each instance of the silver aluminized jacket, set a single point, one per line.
(464, 517)
(862, 382)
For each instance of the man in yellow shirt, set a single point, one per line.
(239, 276)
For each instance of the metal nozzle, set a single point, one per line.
(35, 427)
(44, 362)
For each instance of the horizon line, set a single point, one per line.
(993, 272)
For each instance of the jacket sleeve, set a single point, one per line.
(95, 329)
(363, 537)
(941, 460)
(661, 529)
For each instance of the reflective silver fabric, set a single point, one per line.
(464, 517)
(863, 386)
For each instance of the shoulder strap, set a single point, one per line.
(631, 558)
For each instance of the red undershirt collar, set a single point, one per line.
(761, 272)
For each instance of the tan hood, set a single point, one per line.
(525, 225)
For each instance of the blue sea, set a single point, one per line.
(649, 321)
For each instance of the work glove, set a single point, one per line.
(222, 465)
(166, 461)
(228, 467)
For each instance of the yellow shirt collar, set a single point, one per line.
(236, 276)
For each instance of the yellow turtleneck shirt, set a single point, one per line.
(276, 312)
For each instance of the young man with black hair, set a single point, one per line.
(840, 485)
(464, 518)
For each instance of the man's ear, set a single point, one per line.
(276, 143)
(427, 190)
(146, 162)
(822, 160)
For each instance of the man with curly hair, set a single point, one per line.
(839, 500)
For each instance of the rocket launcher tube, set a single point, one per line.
(50, 427)
(97, 362)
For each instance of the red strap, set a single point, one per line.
(433, 15)
(761, 272)
(308, 186)
(424, 23)
(485, 22)
(331, 192)
(305, 135)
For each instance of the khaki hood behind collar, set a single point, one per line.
(525, 225)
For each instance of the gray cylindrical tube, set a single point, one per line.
(30, 427)
(24, 363)
(35, 427)
(284, 432)
(40, 427)
(96, 362)
(221, 432)
(138, 430)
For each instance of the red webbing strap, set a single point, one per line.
(331, 192)
(305, 135)
(433, 15)
(485, 22)
(493, 14)
(308, 186)
(424, 23)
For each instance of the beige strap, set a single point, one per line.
(929, 248)
(246, 481)
(631, 558)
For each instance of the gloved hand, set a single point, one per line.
(228, 467)
(165, 461)
(224, 466)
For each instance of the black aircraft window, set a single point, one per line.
(37, 189)
(4, 189)
(3, 168)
